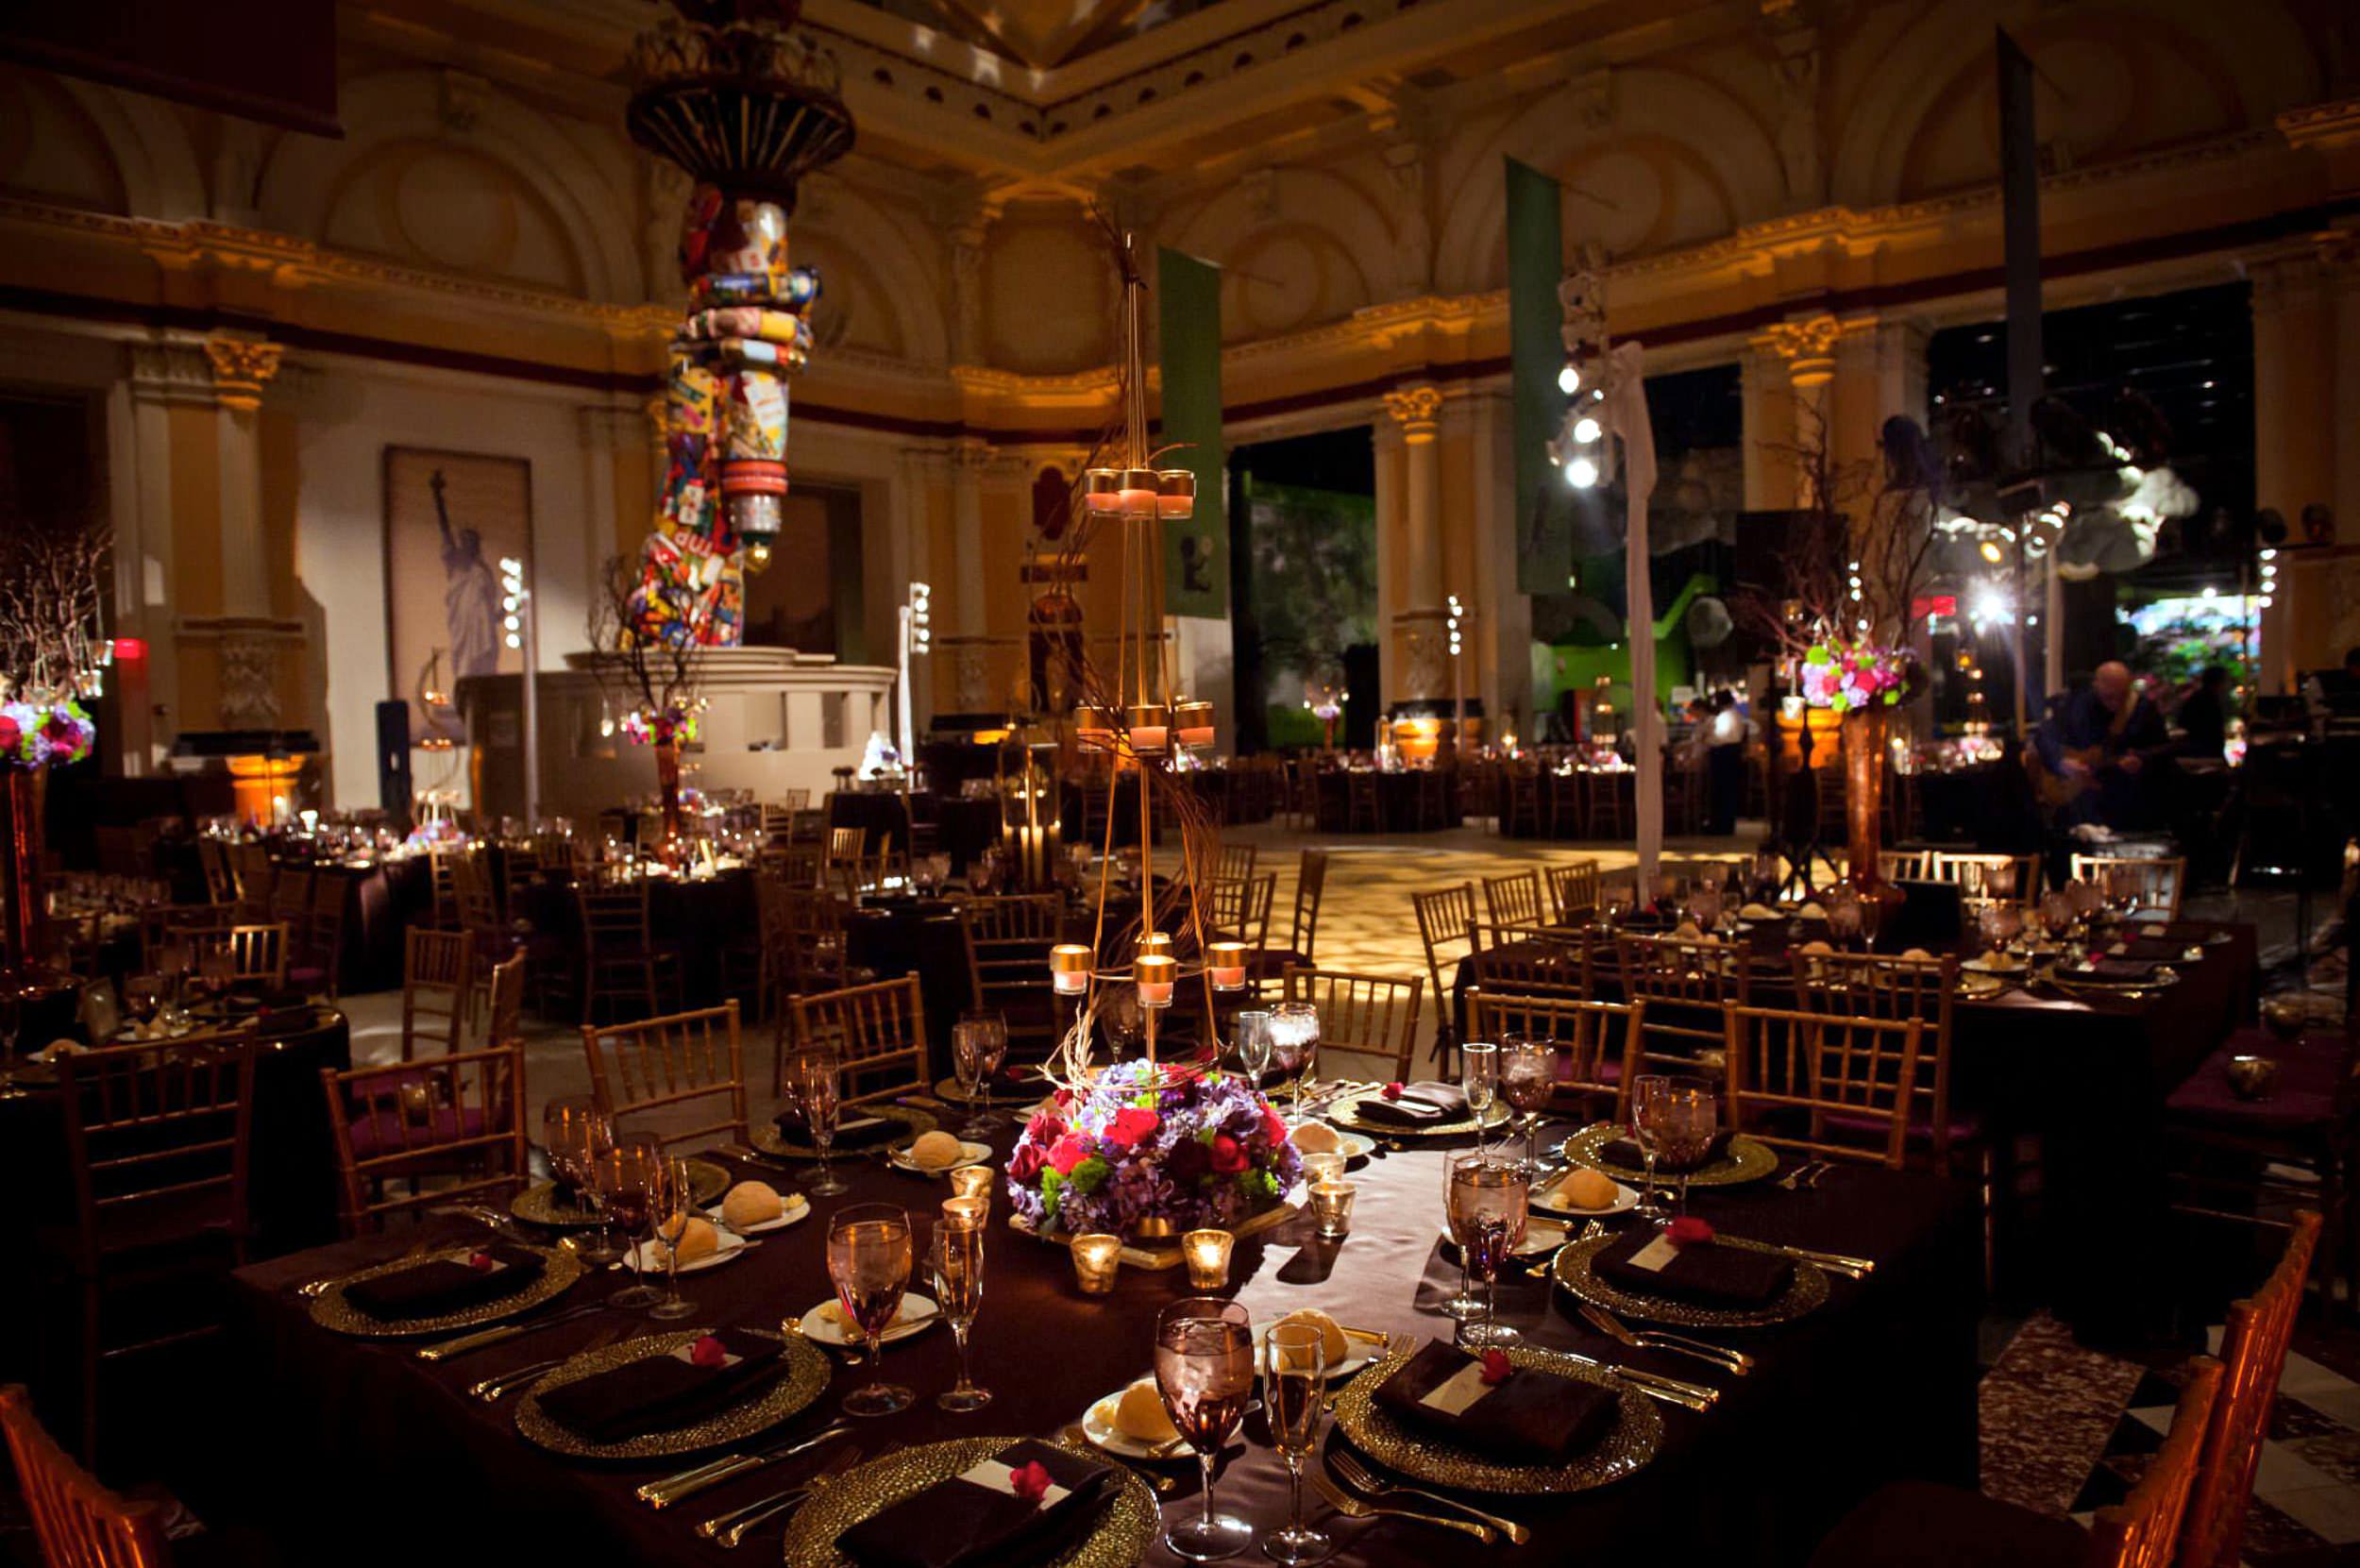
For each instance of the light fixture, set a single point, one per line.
(1586, 430)
(1569, 378)
(1582, 473)
(1989, 551)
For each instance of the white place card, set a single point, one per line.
(1461, 1390)
(993, 1475)
(688, 1353)
(1656, 1256)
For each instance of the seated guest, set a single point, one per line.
(2204, 716)
(2335, 693)
(2088, 757)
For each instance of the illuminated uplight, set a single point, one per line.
(1569, 380)
(1582, 473)
(1585, 429)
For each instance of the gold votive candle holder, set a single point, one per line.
(1101, 489)
(1150, 728)
(970, 1181)
(1155, 973)
(1175, 492)
(1069, 969)
(1225, 962)
(1097, 1258)
(1192, 723)
(966, 1213)
(1141, 493)
(1325, 1166)
(1331, 1207)
(1207, 1254)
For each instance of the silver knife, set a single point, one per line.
(1695, 1396)
(1852, 1268)
(671, 1489)
(442, 1349)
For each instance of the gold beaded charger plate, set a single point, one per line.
(802, 1375)
(1004, 1096)
(1345, 1111)
(1126, 1525)
(1747, 1159)
(560, 1267)
(2072, 982)
(1806, 1293)
(540, 1204)
(1637, 1433)
(767, 1136)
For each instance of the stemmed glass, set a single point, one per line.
(1250, 1034)
(176, 957)
(957, 1262)
(1614, 901)
(1687, 1113)
(630, 1177)
(216, 967)
(979, 1043)
(1479, 1075)
(1295, 1045)
(1204, 1372)
(1294, 1385)
(813, 1090)
(1488, 1196)
(868, 1262)
(1644, 1123)
(577, 1133)
(143, 994)
(1466, 1305)
(1528, 1077)
(675, 1204)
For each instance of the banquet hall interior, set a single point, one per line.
(1572, 775)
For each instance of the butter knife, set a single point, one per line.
(1850, 1267)
(442, 1349)
(671, 1489)
(1672, 1390)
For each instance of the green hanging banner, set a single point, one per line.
(1196, 550)
(1544, 524)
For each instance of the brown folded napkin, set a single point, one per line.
(1625, 1153)
(443, 1285)
(661, 1393)
(1708, 1274)
(1419, 1106)
(2120, 972)
(1533, 1416)
(976, 1520)
(855, 1130)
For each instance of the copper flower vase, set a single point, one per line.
(1863, 735)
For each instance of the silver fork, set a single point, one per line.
(491, 1389)
(1358, 1477)
(1655, 1339)
(1802, 1175)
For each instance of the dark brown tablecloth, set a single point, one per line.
(1879, 1384)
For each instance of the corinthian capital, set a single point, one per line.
(1414, 408)
(241, 367)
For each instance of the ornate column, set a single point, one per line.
(161, 374)
(1807, 348)
(2294, 397)
(1501, 646)
(1768, 421)
(1422, 673)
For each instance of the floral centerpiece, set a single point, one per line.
(38, 735)
(1862, 684)
(1849, 679)
(1143, 1149)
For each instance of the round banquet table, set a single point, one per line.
(879, 812)
(695, 916)
(1877, 1384)
(894, 936)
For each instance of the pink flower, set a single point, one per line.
(708, 1352)
(1394, 1089)
(1067, 1153)
(1274, 1125)
(1229, 1155)
(1496, 1369)
(481, 1262)
(1688, 1231)
(1026, 1163)
(1030, 1481)
(1131, 1124)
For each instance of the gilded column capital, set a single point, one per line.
(1807, 345)
(1415, 409)
(241, 366)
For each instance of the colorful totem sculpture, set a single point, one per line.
(746, 107)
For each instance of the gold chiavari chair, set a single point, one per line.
(659, 1066)
(317, 965)
(251, 865)
(2253, 1354)
(1225, 909)
(1903, 865)
(1375, 1014)
(257, 954)
(477, 903)
(1525, 809)
(2155, 883)
(455, 1122)
(290, 894)
(1547, 962)
(1446, 918)
(1236, 863)
(878, 1033)
(846, 847)
(220, 878)
(158, 1138)
(179, 922)
(1789, 1073)
(809, 827)
(1014, 917)
(2015, 878)
(754, 969)
(1594, 1071)
(437, 980)
(1007, 953)
(2142, 1530)
(1686, 985)
(504, 1010)
(1261, 896)
(815, 951)
(796, 865)
(1303, 930)
(1514, 902)
(1574, 892)
(77, 1521)
(620, 958)
(1870, 985)
(442, 886)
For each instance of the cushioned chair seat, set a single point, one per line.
(1964, 1125)
(1926, 1525)
(2303, 1096)
(383, 1134)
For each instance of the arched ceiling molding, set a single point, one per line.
(149, 144)
(898, 275)
(1677, 107)
(1302, 199)
(398, 105)
(2258, 47)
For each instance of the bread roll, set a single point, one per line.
(689, 1242)
(1317, 1137)
(751, 1204)
(1588, 1189)
(1331, 1337)
(1139, 1414)
(936, 1151)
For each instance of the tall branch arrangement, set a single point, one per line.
(653, 679)
(51, 647)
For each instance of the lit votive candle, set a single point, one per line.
(1192, 723)
(970, 1181)
(1154, 974)
(1101, 489)
(1207, 1252)
(1069, 969)
(1151, 729)
(1096, 1258)
(1175, 493)
(1226, 960)
(1141, 487)
(1325, 1166)
(1331, 1207)
(965, 1212)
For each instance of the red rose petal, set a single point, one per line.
(1031, 1482)
(1394, 1091)
(1688, 1231)
(481, 1262)
(1496, 1368)
(708, 1352)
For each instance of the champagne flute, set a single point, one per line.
(1250, 1036)
(1644, 1122)
(868, 1262)
(1527, 1079)
(675, 1206)
(628, 1178)
(1294, 1387)
(1479, 1075)
(1204, 1372)
(1296, 1030)
(966, 1061)
(815, 1089)
(957, 1263)
(1466, 1305)
(1489, 1193)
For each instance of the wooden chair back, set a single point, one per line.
(441, 885)
(505, 1015)
(2015, 878)
(77, 1521)
(1789, 1073)
(815, 926)
(847, 845)
(1903, 865)
(437, 982)
(1446, 916)
(1372, 1013)
(291, 895)
(2253, 1352)
(1688, 985)
(2142, 1530)
(251, 865)
(1871, 986)
(457, 1120)
(1545, 963)
(878, 1033)
(694, 1059)
(1574, 891)
(1015, 918)
(473, 897)
(1237, 860)
(2156, 883)
(1600, 1042)
(156, 1132)
(615, 918)
(257, 952)
(1005, 974)
(1310, 883)
(1513, 900)
(220, 878)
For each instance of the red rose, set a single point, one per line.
(481, 1262)
(1274, 1125)
(1067, 1153)
(1688, 1231)
(1026, 1163)
(1190, 1159)
(1496, 1368)
(59, 729)
(1229, 1155)
(1044, 1128)
(10, 736)
(708, 1352)
(1030, 1481)
(1132, 1125)
(1394, 1089)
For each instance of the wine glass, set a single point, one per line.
(1295, 1044)
(979, 1043)
(1479, 1075)
(1204, 1372)
(143, 994)
(1294, 1387)
(216, 967)
(1528, 1077)
(868, 1262)
(629, 1176)
(575, 1133)
(1250, 1035)
(813, 1090)
(1466, 1305)
(1687, 1116)
(1644, 1125)
(1489, 1192)
(1614, 901)
(675, 1204)
(956, 1260)
(11, 1025)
